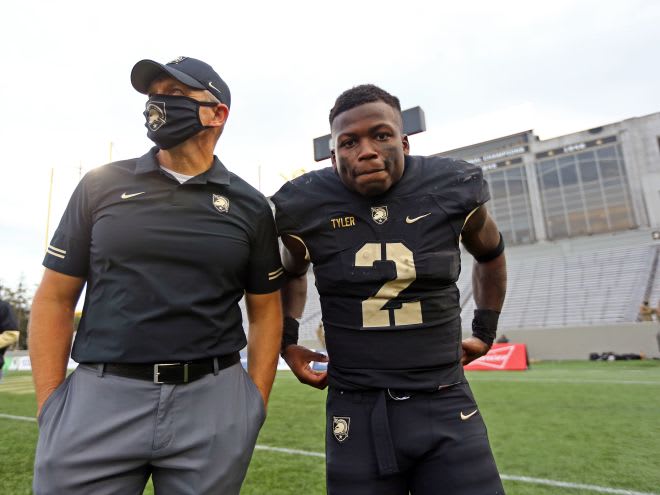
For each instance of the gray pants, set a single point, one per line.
(106, 434)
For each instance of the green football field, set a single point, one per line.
(560, 428)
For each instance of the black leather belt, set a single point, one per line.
(169, 373)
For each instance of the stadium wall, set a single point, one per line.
(578, 342)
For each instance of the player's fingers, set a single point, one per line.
(320, 380)
(313, 378)
(317, 356)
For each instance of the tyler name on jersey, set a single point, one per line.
(342, 222)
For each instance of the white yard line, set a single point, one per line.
(18, 418)
(290, 451)
(522, 479)
(577, 486)
(475, 379)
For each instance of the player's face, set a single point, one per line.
(369, 148)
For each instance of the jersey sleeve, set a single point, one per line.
(7, 318)
(473, 188)
(68, 251)
(265, 271)
(286, 223)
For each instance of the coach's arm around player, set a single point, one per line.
(294, 294)
(483, 240)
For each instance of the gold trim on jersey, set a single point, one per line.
(460, 236)
(307, 258)
(59, 253)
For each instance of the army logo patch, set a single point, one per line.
(176, 60)
(340, 427)
(156, 116)
(221, 203)
(379, 214)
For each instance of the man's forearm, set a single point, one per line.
(489, 284)
(264, 339)
(263, 353)
(50, 334)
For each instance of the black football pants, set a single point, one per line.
(427, 444)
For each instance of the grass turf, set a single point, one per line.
(588, 423)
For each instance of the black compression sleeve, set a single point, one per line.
(491, 255)
(289, 332)
(484, 325)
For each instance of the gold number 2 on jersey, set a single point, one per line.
(373, 314)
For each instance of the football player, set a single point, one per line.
(382, 230)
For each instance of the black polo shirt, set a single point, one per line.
(165, 263)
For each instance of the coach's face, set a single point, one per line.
(369, 148)
(166, 85)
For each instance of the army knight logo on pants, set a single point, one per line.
(340, 427)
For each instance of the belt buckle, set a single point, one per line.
(157, 372)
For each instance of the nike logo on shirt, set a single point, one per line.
(413, 220)
(127, 196)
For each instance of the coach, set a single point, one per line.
(167, 244)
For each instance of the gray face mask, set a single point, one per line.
(173, 119)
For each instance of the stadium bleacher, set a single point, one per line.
(578, 282)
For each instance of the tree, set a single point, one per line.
(20, 299)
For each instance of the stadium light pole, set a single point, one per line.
(50, 198)
(414, 122)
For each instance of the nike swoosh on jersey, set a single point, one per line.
(126, 196)
(468, 416)
(413, 220)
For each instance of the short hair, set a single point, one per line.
(359, 95)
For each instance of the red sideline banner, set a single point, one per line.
(501, 357)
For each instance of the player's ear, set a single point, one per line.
(406, 144)
(333, 159)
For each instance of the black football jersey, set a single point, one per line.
(386, 269)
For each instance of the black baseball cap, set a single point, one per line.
(186, 70)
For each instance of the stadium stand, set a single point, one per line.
(578, 282)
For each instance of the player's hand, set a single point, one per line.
(473, 348)
(299, 359)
